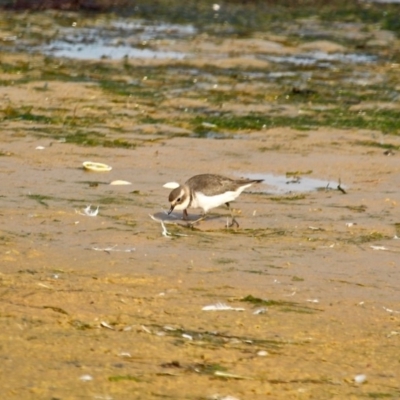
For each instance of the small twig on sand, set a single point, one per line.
(339, 187)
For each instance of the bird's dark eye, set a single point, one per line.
(178, 199)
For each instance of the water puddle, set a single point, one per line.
(281, 184)
(143, 39)
(102, 49)
(131, 39)
(322, 59)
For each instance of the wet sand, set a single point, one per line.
(107, 307)
(57, 290)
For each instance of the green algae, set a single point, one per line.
(119, 378)
(284, 306)
(386, 121)
(369, 237)
(41, 199)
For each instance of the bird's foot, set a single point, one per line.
(233, 219)
(232, 223)
(191, 224)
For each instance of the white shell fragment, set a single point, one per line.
(222, 397)
(86, 378)
(88, 211)
(169, 328)
(361, 378)
(128, 328)
(171, 185)
(147, 330)
(261, 310)
(106, 325)
(262, 353)
(315, 228)
(113, 248)
(229, 375)
(350, 224)
(389, 310)
(120, 183)
(40, 148)
(186, 336)
(91, 213)
(208, 124)
(96, 167)
(125, 354)
(378, 248)
(221, 307)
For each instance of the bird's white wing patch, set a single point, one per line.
(171, 185)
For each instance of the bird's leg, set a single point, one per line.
(191, 224)
(185, 214)
(233, 222)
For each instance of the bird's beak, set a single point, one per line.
(170, 210)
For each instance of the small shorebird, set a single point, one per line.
(207, 191)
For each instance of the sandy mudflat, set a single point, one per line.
(107, 307)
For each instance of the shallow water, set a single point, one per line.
(292, 184)
(322, 59)
(101, 50)
(117, 40)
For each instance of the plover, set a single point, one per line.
(207, 191)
